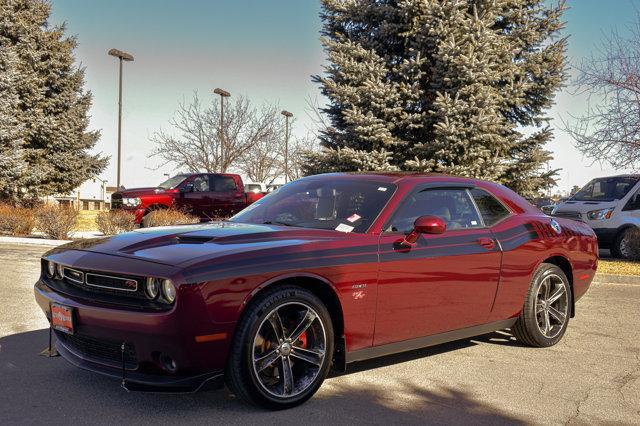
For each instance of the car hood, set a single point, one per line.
(189, 244)
(139, 192)
(584, 206)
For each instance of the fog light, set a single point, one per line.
(51, 269)
(168, 291)
(152, 287)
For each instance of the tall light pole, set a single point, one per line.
(286, 114)
(223, 94)
(122, 56)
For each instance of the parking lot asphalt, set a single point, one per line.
(591, 376)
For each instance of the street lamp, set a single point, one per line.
(223, 94)
(122, 56)
(286, 114)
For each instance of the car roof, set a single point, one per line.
(396, 177)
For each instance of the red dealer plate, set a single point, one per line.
(62, 318)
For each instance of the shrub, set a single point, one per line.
(56, 221)
(115, 221)
(16, 220)
(167, 217)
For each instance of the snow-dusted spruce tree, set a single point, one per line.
(451, 86)
(12, 163)
(47, 126)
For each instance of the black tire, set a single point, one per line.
(618, 250)
(242, 376)
(530, 327)
(145, 221)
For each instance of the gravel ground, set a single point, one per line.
(592, 376)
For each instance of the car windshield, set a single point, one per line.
(340, 204)
(172, 182)
(253, 187)
(606, 189)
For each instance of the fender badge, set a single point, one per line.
(556, 226)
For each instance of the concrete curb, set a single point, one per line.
(617, 279)
(33, 241)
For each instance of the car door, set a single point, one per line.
(445, 281)
(197, 201)
(226, 198)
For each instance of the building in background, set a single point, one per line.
(94, 194)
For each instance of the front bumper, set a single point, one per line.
(150, 337)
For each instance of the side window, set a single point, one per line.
(633, 203)
(492, 210)
(453, 205)
(200, 183)
(223, 183)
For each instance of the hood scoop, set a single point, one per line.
(192, 239)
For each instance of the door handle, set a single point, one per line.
(488, 243)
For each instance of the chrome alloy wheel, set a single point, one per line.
(552, 305)
(289, 349)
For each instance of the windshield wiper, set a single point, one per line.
(276, 222)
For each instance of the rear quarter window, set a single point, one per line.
(490, 208)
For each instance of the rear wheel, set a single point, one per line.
(545, 315)
(621, 247)
(282, 349)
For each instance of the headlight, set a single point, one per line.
(60, 270)
(153, 287)
(600, 214)
(168, 291)
(131, 202)
(51, 269)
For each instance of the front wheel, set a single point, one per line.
(282, 349)
(547, 308)
(622, 245)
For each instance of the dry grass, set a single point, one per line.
(168, 217)
(618, 267)
(87, 220)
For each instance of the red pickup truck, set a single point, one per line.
(207, 195)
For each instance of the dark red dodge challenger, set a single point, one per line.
(328, 270)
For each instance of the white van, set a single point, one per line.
(609, 205)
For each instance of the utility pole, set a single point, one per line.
(286, 114)
(223, 94)
(122, 56)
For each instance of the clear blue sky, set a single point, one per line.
(266, 49)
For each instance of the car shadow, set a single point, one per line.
(36, 390)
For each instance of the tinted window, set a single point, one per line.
(172, 182)
(342, 204)
(491, 209)
(223, 183)
(633, 203)
(200, 184)
(606, 189)
(452, 205)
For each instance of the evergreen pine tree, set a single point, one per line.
(458, 87)
(52, 107)
(12, 163)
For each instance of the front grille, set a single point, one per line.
(112, 283)
(96, 282)
(116, 201)
(104, 351)
(568, 215)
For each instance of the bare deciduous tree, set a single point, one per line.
(610, 129)
(197, 144)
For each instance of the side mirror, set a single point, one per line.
(425, 225)
(187, 187)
